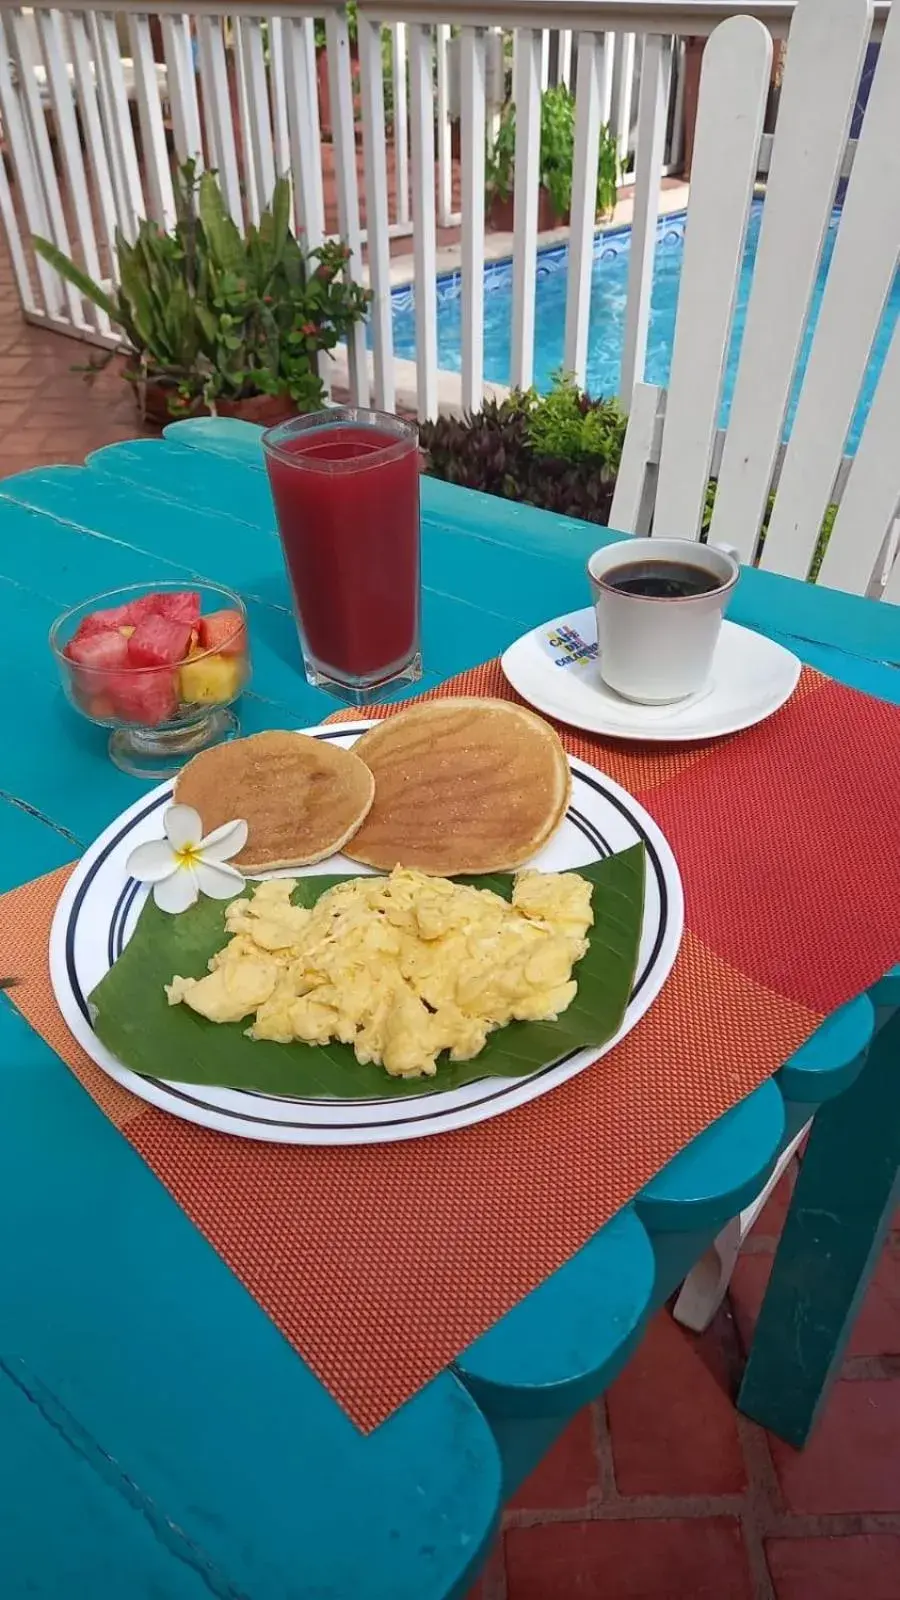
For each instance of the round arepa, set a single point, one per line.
(302, 798)
(462, 785)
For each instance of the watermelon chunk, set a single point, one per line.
(103, 621)
(94, 659)
(100, 652)
(147, 698)
(147, 605)
(181, 605)
(158, 642)
(224, 632)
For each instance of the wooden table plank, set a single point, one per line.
(682, 1195)
(150, 1355)
(30, 837)
(94, 1534)
(528, 1381)
(219, 436)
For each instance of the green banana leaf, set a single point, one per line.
(134, 1020)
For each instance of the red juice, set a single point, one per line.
(347, 498)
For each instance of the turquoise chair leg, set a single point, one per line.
(841, 1208)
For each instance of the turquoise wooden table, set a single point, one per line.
(160, 1438)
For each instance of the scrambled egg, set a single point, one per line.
(400, 968)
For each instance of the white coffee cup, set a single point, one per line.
(658, 649)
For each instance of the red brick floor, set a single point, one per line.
(661, 1491)
(48, 413)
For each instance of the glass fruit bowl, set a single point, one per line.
(159, 665)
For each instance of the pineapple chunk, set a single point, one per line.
(210, 680)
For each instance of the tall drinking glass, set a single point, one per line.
(346, 489)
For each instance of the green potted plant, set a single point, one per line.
(559, 451)
(556, 160)
(215, 321)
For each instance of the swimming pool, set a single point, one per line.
(609, 287)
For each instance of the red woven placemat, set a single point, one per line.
(381, 1263)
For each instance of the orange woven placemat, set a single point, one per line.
(381, 1263)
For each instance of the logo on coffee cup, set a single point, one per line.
(569, 649)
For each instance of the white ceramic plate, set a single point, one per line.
(100, 906)
(556, 669)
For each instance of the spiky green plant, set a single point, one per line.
(215, 313)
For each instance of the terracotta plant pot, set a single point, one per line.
(264, 409)
(153, 404)
(501, 214)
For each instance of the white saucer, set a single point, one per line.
(556, 669)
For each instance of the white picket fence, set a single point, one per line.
(97, 105)
(674, 443)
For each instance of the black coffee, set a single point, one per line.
(662, 580)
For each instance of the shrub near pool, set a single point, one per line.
(559, 451)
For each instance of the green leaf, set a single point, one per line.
(207, 323)
(74, 275)
(134, 1020)
(225, 241)
(274, 227)
(281, 215)
(146, 327)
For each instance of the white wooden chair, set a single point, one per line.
(673, 445)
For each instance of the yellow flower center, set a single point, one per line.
(188, 855)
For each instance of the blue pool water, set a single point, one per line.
(609, 287)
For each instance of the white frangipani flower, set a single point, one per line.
(184, 864)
